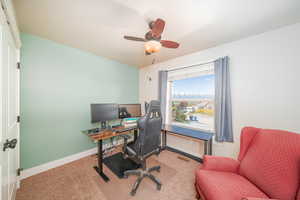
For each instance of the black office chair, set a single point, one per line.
(146, 144)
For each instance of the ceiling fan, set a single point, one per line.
(153, 41)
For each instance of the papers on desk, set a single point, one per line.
(130, 125)
(130, 122)
(131, 119)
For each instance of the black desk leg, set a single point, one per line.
(135, 134)
(99, 168)
(205, 147)
(210, 147)
(164, 140)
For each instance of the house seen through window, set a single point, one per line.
(191, 102)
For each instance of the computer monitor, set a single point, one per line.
(134, 110)
(104, 112)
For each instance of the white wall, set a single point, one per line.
(265, 74)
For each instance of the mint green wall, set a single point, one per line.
(58, 83)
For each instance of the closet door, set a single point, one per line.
(9, 136)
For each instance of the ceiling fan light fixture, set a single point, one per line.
(152, 46)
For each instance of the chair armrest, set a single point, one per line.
(220, 164)
(126, 138)
(254, 198)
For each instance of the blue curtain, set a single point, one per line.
(162, 93)
(223, 112)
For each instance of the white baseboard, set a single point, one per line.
(56, 163)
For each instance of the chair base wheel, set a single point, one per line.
(141, 174)
(132, 193)
(158, 187)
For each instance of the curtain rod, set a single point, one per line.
(190, 66)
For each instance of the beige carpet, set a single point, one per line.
(79, 181)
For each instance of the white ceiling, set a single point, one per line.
(98, 26)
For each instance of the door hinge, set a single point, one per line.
(18, 65)
(18, 118)
(19, 171)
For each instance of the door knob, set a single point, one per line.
(10, 144)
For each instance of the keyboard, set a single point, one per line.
(93, 131)
(124, 129)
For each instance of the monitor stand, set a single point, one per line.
(103, 125)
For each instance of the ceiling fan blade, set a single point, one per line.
(134, 38)
(158, 28)
(169, 44)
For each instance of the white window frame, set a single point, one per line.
(195, 71)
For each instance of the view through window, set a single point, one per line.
(192, 102)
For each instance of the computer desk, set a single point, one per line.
(106, 134)
(166, 129)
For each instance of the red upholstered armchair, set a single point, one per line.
(268, 167)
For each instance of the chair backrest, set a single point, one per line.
(271, 160)
(149, 139)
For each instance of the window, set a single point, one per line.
(191, 99)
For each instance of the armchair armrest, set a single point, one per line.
(254, 198)
(220, 164)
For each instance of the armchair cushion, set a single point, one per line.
(272, 163)
(220, 164)
(252, 198)
(267, 168)
(217, 185)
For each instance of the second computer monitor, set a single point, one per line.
(133, 109)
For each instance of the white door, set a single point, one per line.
(9, 111)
